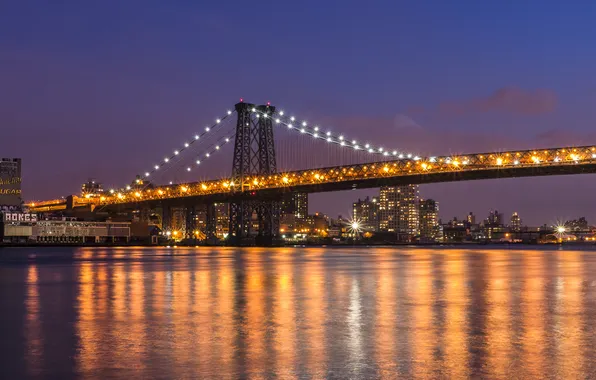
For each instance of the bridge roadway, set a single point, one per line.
(523, 163)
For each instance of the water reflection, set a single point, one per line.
(300, 313)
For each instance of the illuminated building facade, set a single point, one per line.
(10, 184)
(515, 222)
(366, 212)
(398, 211)
(295, 204)
(429, 220)
(91, 188)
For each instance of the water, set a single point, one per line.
(297, 313)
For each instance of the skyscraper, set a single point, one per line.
(429, 220)
(295, 204)
(515, 224)
(366, 212)
(398, 211)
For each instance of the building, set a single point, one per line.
(515, 222)
(10, 184)
(91, 189)
(398, 211)
(366, 212)
(429, 220)
(495, 219)
(471, 218)
(25, 228)
(222, 224)
(295, 204)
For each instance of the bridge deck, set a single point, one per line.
(521, 163)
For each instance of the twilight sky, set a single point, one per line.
(106, 89)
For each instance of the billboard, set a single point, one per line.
(10, 184)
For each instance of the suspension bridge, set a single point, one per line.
(257, 183)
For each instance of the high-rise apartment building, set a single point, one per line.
(366, 212)
(398, 211)
(295, 204)
(515, 223)
(429, 220)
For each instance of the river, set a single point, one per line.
(311, 313)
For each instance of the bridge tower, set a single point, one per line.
(254, 155)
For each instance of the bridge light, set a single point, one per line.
(188, 169)
(290, 126)
(535, 159)
(128, 187)
(409, 155)
(146, 174)
(277, 121)
(385, 153)
(184, 189)
(176, 152)
(342, 143)
(186, 145)
(380, 149)
(227, 139)
(386, 169)
(416, 158)
(317, 176)
(229, 112)
(171, 183)
(254, 109)
(137, 194)
(353, 142)
(367, 146)
(516, 162)
(204, 187)
(217, 147)
(329, 139)
(424, 166)
(111, 192)
(400, 156)
(394, 152)
(433, 159)
(328, 133)
(575, 157)
(156, 167)
(499, 161)
(281, 113)
(316, 128)
(292, 118)
(198, 162)
(255, 182)
(207, 154)
(120, 196)
(341, 137)
(315, 135)
(285, 179)
(304, 123)
(207, 129)
(258, 116)
(302, 130)
(557, 159)
(197, 137)
(160, 192)
(356, 147)
(370, 150)
(166, 159)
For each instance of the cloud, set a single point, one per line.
(511, 100)
(402, 121)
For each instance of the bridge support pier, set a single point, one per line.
(254, 156)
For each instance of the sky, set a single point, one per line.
(105, 89)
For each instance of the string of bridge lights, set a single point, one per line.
(213, 148)
(338, 139)
(196, 137)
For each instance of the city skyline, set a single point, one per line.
(93, 78)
